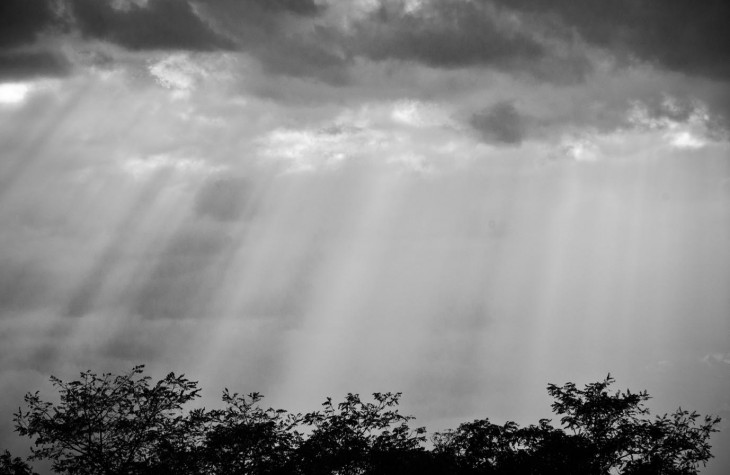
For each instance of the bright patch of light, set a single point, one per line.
(177, 73)
(359, 7)
(689, 132)
(13, 93)
(141, 168)
(686, 139)
(412, 6)
(126, 5)
(580, 149)
(417, 114)
(406, 134)
(308, 150)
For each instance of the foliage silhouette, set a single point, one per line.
(358, 437)
(10, 465)
(107, 424)
(244, 438)
(621, 439)
(602, 433)
(126, 425)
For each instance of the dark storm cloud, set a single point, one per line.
(22, 23)
(298, 38)
(27, 28)
(284, 36)
(161, 24)
(444, 34)
(689, 37)
(267, 29)
(500, 123)
(16, 65)
(298, 7)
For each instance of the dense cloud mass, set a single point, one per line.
(462, 200)
(21, 21)
(453, 33)
(32, 64)
(298, 7)
(156, 24)
(688, 37)
(445, 34)
(21, 24)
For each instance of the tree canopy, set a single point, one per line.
(124, 424)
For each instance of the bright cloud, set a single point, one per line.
(178, 73)
(685, 139)
(141, 168)
(13, 93)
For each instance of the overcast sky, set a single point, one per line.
(463, 200)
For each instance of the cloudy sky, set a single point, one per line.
(462, 200)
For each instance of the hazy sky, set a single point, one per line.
(463, 200)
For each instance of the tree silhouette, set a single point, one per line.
(603, 433)
(245, 438)
(623, 439)
(127, 425)
(357, 437)
(106, 424)
(10, 465)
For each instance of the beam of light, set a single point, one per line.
(99, 225)
(292, 293)
(13, 93)
(563, 273)
(331, 325)
(92, 309)
(26, 145)
(466, 287)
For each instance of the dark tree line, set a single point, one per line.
(126, 424)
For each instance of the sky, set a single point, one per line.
(462, 200)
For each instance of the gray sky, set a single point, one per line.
(461, 200)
